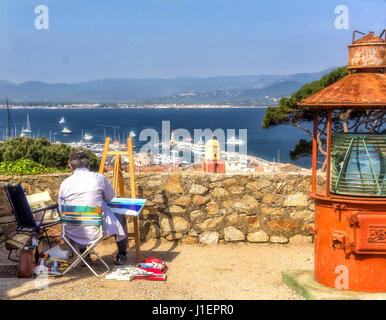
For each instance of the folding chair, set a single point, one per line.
(24, 215)
(84, 216)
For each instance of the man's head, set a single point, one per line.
(79, 159)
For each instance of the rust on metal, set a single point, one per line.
(350, 231)
(367, 52)
(356, 90)
(365, 88)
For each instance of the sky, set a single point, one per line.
(98, 39)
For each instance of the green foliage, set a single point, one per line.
(288, 111)
(302, 149)
(23, 167)
(40, 151)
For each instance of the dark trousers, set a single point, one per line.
(122, 245)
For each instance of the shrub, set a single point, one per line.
(23, 167)
(40, 151)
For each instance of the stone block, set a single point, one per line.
(209, 238)
(233, 234)
(253, 223)
(211, 224)
(175, 224)
(282, 224)
(176, 209)
(199, 200)
(265, 209)
(173, 185)
(197, 189)
(304, 215)
(236, 189)
(278, 239)
(259, 236)
(212, 208)
(300, 240)
(232, 219)
(197, 214)
(174, 236)
(296, 200)
(189, 240)
(309, 228)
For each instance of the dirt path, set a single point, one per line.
(226, 271)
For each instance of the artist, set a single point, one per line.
(86, 188)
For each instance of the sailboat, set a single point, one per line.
(62, 121)
(233, 140)
(28, 129)
(22, 134)
(88, 137)
(66, 130)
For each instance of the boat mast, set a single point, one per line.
(28, 125)
(9, 121)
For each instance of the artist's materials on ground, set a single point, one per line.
(149, 269)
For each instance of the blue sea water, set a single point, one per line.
(261, 143)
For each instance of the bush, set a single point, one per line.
(23, 167)
(40, 151)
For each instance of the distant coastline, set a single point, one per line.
(125, 106)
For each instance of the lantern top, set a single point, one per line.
(362, 90)
(368, 38)
(365, 86)
(367, 54)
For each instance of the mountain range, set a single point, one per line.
(234, 90)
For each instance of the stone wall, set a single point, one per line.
(206, 208)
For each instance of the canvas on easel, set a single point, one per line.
(118, 182)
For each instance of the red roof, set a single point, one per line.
(364, 90)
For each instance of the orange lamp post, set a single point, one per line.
(350, 214)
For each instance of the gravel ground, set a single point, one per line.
(226, 271)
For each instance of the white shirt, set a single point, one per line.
(86, 188)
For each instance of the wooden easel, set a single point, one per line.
(118, 183)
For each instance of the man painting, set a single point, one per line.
(87, 188)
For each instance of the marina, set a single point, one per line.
(90, 127)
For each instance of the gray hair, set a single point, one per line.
(79, 159)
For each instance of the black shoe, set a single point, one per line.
(86, 258)
(120, 259)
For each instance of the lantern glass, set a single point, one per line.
(358, 164)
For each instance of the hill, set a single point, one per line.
(192, 90)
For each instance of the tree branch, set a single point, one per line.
(302, 128)
(378, 115)
(345, 120)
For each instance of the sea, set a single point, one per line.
(273, 144)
